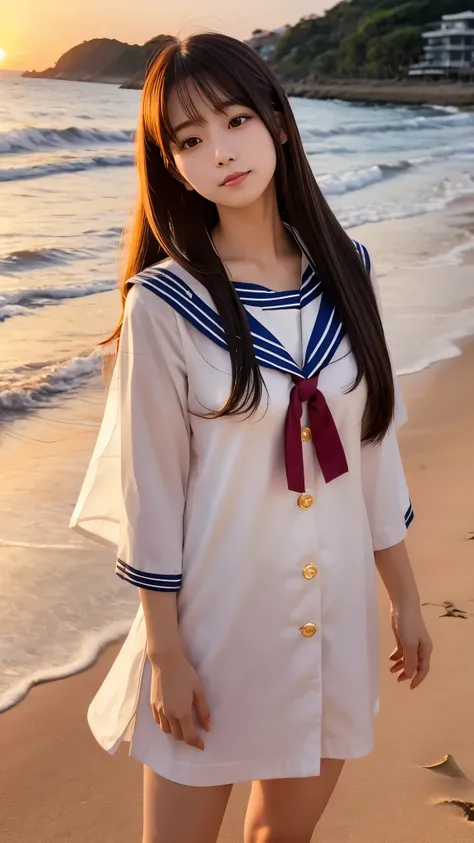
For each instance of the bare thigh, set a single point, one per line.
(287, 810)
(176, 813)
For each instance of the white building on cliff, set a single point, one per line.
(449, 48)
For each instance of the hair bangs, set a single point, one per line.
(218, 85)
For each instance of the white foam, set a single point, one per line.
(88, 650)
(358, 179)
(21, 302)
(459, 119)
(381, 214)
(65, 166)
(26, 389)
(26, 259)
(30, 138)
(455, 256)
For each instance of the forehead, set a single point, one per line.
(188, 102)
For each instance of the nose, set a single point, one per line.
(224, 154)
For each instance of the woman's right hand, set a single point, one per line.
(176, 692)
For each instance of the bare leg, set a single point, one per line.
(287, 810)
(176, 813)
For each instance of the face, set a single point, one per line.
(234, 142)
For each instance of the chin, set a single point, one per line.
(243, 198)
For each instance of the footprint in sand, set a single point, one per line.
(451, 611)
(447, 766)
(466, 807)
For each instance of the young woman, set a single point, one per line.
(247, 471)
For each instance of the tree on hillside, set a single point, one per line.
(369, 37)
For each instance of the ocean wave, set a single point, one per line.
(30, 388)
(445, 193)
(30, 139)
(358, 179)
(21, 302)
(361, 216)
(88, 651)
(447, 347)
(458, 120)
(75, 165)
(26, 259)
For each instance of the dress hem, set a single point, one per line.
(243, 771)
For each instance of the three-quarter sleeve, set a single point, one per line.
(154, 443)
(384, 485)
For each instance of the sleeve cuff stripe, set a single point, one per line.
(409, 516)
(147, 585)
(161, 582)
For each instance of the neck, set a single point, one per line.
(254, 233)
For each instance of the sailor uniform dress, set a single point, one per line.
(266, 525)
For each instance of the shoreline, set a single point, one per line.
(73, 788)
(455, 94)
(378, 91)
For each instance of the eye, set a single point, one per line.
(242, 117)
(189, 143)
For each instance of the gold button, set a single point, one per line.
(309, 571)
(305, 434)
(308, 630)
(305, 501)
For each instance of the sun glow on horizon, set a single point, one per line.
(2, 54)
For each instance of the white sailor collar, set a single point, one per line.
(192, 301)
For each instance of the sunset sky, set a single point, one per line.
(34, 33)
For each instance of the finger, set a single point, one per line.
(396, 654)
(410, 661)
(203, 713)
(189, 733)
(175, 728)
(424, 662)
(395, 668)
(164, 723)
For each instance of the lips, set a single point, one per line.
(234, 176)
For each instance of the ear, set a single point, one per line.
(283, 135)
(188, 186)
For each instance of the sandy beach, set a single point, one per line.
(57, 785)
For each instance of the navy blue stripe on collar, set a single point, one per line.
(363, 254)
(255, 295)
(179, 295)
(325, 338)
(269, 351)
(266, 344)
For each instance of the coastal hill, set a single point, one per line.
(101, 60)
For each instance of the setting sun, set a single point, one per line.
(2, 54)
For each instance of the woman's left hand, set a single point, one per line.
(412, 654)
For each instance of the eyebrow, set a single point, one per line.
(186, 124)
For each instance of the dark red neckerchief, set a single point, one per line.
(326, 440)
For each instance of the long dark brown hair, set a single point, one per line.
(172, 221)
